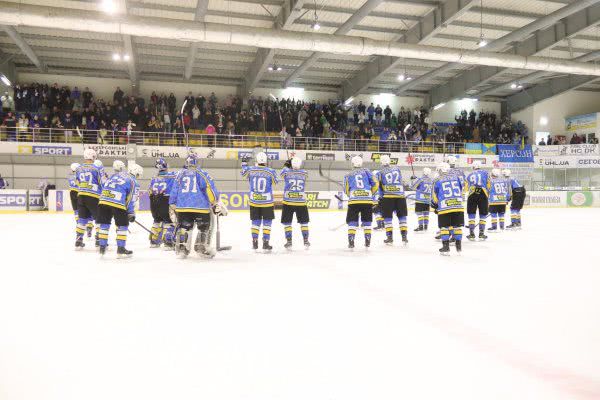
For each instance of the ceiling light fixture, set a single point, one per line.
(108, 6)
(116, 57)
(5, 80)
(401, 77)
(126, 57)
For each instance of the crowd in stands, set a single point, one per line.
(486, 127)
(575, 139)
(42, 109)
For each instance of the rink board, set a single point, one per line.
(58, 200)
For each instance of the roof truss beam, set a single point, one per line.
(465, 84)
(426, 27)
(350, 24)
(25, 48)
(199, 14)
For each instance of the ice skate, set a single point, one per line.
(266, 246)
(445, 250)
(122, 252)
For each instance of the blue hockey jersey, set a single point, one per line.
(460, 174)
(422, 187)
(500, 191)
(121, 191)
(360, 186)
(514, 183)
(162, 183)
(389, 180)
(73, 182)
(89, 180)
(193, 191)
(478, 179)
(294, 186)
(447, 194)
(262, 179)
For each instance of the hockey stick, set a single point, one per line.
(406, 128)
(81, 136)
(329, 178)
(187, 139)
(143, 227)
(219, 248)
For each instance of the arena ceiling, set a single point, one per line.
(563, 29)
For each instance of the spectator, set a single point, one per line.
(3, 183)
(542, 142)
(371, 113)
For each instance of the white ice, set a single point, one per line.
(516, 317)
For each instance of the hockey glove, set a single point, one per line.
(131, 217)
(220, 209)
(288, 163)
(412, 178)
(245, 161)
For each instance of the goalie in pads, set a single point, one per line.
(196, 201)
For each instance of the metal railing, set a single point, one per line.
(251, 140)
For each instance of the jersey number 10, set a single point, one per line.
(258, 184)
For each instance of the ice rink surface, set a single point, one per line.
(516, 317)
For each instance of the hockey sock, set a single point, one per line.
(482, 222)
(90, 224)
(168, 232)
(402, 222)
(426, 219)
(451, 231)
(103, 234)
(266, 230)
(421, 218)
(494, 220)
(121, 236)
(80, 229)
(76, 213)
(155, 235)
(255, 228)
(388, 225)
(501, 221)
(352, 229)
(458, 233)
(304, 228)
(472, 222)
(288, 230)
(445, 232)
(380, 221)
(518, 216)
(367, 229)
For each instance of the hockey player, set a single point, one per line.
(262, 208)
(447, 201)
(119, 195)
(393, 200)
(478, 187)
(518, 198)
(193, 196)
(500, 192)
(294, 200)
(380, 224)
(89, 187)
(73, 189)
(163, 227)
(422, 187)
(360, 187)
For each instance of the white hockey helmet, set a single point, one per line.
(496, 172)
(296, 162)
(384, 159)
(118, 166)
(90, 154)
(136, 170)
(98, 163)
(476, 164)
(261, 158)
(443, 168)
(357, 161)
(74, 166)
(427, 171)
(506, 172)
(452, 160)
